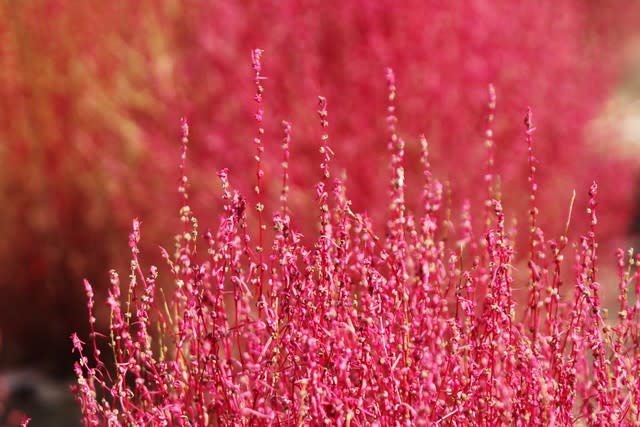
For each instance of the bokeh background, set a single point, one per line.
(91, 94)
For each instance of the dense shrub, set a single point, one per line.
(429, 322)
(90, 91)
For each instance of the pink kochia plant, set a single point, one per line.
(419, 327)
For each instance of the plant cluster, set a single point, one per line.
(430, 323)
(90, 89)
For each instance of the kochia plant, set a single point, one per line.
(90, 92)
(427, 323)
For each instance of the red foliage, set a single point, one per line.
(91, 89)
(420, 327)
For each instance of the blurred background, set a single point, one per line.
(91, 94)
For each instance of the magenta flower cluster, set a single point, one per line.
(427, 323)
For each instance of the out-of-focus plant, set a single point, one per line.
(80, 87)
(90, 90)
